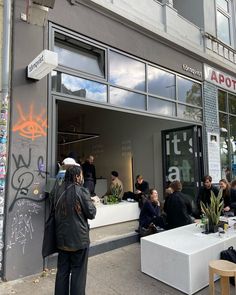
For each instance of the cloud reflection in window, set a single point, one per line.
(127, 72)
(84, 88)
(127, 99)
(161, 82)
(162, 107)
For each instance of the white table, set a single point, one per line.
(115, 213)
(179, 257)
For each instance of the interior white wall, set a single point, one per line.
(123, 136)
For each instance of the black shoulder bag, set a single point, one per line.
(49, 246)
(230, 255)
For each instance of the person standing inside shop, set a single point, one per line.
(73, 208)
(89, 172)
(204, 194)
(142, 190)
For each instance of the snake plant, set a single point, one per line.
(213, 210)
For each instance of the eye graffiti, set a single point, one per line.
(31, 125)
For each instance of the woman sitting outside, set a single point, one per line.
(233, 196)
(178, 208)
(149, 217)
(227, 195)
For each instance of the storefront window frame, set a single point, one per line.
(77, 72)
(105, 80)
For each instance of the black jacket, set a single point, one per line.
(178, 210)
(149, 213)
(204, 195)
(89, 171)
(73, 207)
(143, 187)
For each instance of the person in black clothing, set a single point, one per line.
(89, 174)
(178, 208)
(233, 196)
(168, 192)
(204, 193)
(142, 190)
(150, 213)
(73, 206)
(225, 186)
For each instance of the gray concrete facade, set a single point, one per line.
(29, 141)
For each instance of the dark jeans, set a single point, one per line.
(74, 263)
(90, 185)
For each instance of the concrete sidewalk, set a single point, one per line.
(113, 273)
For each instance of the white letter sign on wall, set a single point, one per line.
(42, 65)
(220, 79)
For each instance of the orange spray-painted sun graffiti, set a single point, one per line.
(31, 125)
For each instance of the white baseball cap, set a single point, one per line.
(70, 161)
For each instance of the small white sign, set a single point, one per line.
(219, 78)
(214, 166)
(42, 65)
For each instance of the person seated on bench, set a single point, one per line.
(141, 191)
(150, 215)
(178, 208)
(116, 186)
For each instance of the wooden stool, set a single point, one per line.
(224, 269)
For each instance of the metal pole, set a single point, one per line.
(5, 91)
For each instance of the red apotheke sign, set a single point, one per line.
(220, 79)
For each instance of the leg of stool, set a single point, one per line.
(235, 283)
(224, 284)
(211, 282)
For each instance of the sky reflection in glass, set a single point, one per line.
(84, 88)
(79, 60)
(223, 4)
(160, 106)
(127, 99)
(223, 28)
(189, 92)
(127, 72)
(161, 82)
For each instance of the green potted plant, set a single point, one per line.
(213, 211)
(113, 198)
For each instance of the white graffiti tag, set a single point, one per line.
(22, 229)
